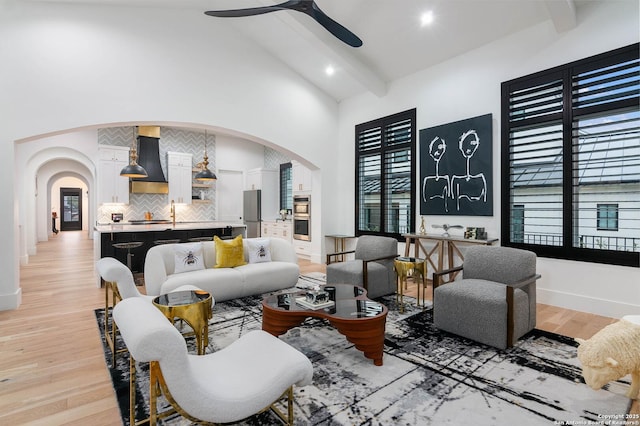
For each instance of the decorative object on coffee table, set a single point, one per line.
(315, 299)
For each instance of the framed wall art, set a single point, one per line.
(456, 168)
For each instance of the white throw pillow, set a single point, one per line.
(188, 257)
(259, 250)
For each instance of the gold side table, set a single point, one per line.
(191, 306)
(410, 266)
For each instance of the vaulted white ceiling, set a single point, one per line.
(395, 44)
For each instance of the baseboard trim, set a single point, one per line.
(11, 301)
(577, 302)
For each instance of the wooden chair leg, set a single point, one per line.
(510, 317)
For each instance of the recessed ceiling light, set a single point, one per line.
(426, 18)
(329, 70)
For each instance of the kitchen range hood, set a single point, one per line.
(149, 158)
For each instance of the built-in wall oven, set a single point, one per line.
(302, 217)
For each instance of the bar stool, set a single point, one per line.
(410, 266)
(128, 246)
(159, 242)
(198, 239)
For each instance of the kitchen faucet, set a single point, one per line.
(173, 213)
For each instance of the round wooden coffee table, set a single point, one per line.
(361, 320)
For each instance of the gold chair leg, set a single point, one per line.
(153, 395)
(132, 391)
(288, 418)
(110, 331)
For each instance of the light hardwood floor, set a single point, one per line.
(52, 368)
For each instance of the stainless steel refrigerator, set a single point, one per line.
(251, 212)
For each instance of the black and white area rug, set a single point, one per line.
(428, 377)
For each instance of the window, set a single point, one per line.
(571, 160)
(518, 223)
(607, 217)
(385, 171)
(286, 187)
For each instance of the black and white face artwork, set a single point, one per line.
(457, 182)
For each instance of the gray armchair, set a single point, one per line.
(495, 301)
(372, 267)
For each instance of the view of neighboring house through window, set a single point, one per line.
(518, 223)
(607, 217)
(571, 147)
(385, 168)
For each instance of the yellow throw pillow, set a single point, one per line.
(229, 254)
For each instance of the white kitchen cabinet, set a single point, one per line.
(261, 179)
(277, 229)
(112, 188)
(267, 181)
(301, 177)
(302, 248)
(179, 166)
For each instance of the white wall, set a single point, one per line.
(238, 154)
(71, 67)
(469, 86)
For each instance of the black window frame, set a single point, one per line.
(567, 116)
(382, 123)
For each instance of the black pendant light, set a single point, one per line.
(133, 170)
(205, 173)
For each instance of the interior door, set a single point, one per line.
(71, 206)
(229, 193)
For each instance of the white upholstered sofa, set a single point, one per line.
(223, 283)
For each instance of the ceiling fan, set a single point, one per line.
(308, 7)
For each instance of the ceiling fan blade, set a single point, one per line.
(308, 7)
(236, 13)
(333, 27)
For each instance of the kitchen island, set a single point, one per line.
(150, 233)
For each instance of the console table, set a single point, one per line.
(443, 244)
(339, 243)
